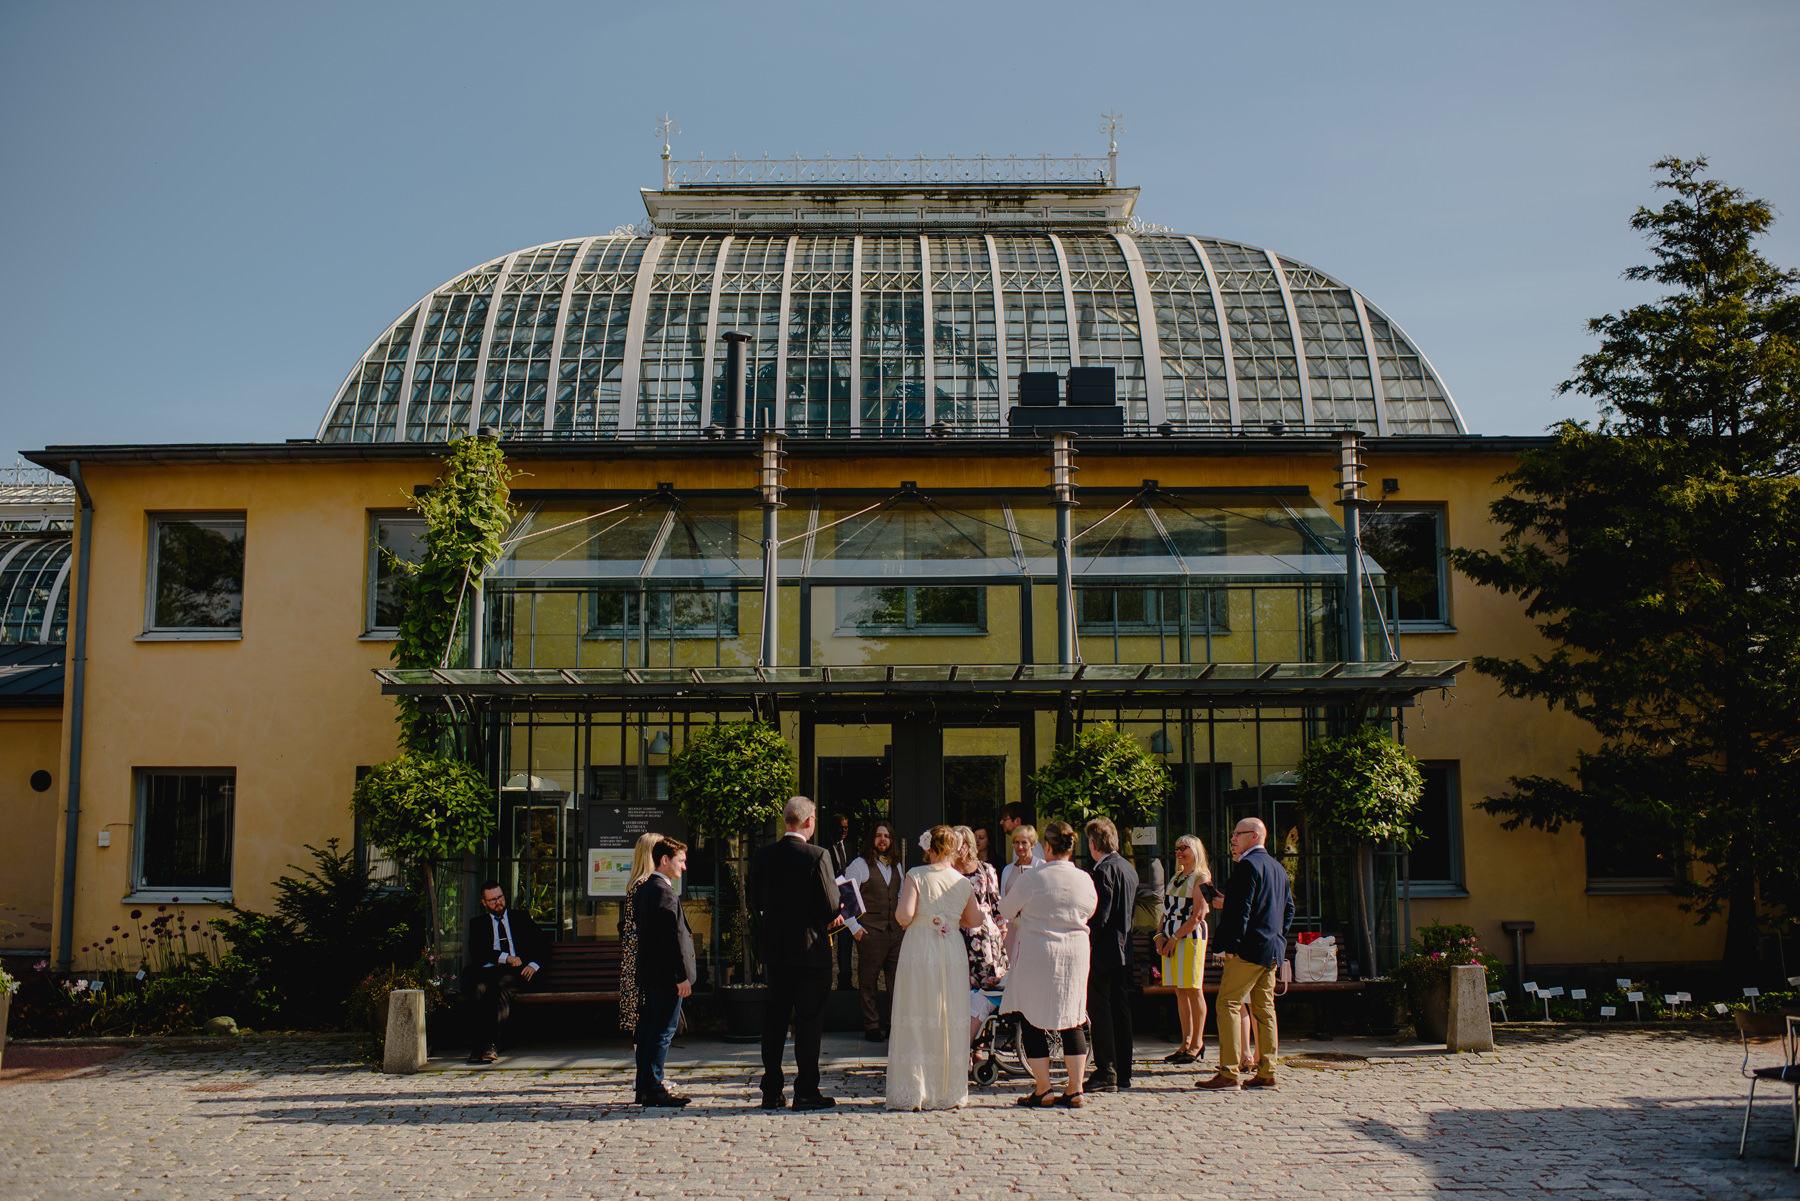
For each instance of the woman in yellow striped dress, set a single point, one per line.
(1181, 941)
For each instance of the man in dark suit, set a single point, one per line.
(501, 953)
(795, 891)
(665, 969)
(1109, 959)
(1252, 938)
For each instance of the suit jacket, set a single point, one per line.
(1259, 908)
(665, 945)
(1109, 930)
(529, 943)
(795, 891)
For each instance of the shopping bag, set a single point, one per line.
(1316, 962)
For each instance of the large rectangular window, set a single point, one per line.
(1627, 854)
(1409, 545)
(184, 831)
(392, 536)
(912, 610)
(1436, 860)
(196, 578)
(669, 612)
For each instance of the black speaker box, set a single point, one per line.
(1092, 386)
(1039, 389)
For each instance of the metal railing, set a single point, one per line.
(964, 429)
(918, 169)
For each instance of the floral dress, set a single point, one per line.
(631, 998)
(987, 946)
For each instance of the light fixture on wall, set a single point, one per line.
(659, 743)
(1160, 744)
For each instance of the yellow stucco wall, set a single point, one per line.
(29, 742)
(292, 706)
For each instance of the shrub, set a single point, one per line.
(1102, 773)
(1436, 950)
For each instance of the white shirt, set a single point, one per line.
(1012, 870)
(504, 922)
(859, 872)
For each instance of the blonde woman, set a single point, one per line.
(928, 1055)
(631, 997)
(1181, 941)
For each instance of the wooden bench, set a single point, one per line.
(577, 971)
(1143, 948)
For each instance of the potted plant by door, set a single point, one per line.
(731, 780)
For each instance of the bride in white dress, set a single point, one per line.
(928, 1051)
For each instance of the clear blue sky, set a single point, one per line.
(210, 210)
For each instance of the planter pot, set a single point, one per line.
(1431, 1012)
(744, 1008)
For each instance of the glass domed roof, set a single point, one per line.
(883, 330)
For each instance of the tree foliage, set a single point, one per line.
(1360, 787)
(1659, 553)
(466, 513)
(1102, 773)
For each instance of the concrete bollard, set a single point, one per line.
(1470, 1027)
(405, 1051)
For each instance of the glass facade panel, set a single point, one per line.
(517, 386)
(818, 353)
(750, 303)
(893, 335)
(1337, 360)
(675, 326)
(1037, 318)
(966, 386)
(33, 588)
(367, 409)
(1415, 401)
(1187, 329)
(1107, 333)
(443, 391)
(1262, 342)
(592, 368)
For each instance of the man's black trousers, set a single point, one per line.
(1109, 1009)
(796, 993)
(490, 991)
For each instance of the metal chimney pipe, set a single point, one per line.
(1062, 497)
(735, 411)
(772, 503)
(1350, 485)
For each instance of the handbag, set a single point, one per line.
(1316, 962)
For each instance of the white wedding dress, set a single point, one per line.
(928, 1049)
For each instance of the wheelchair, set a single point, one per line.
(1001, 1046)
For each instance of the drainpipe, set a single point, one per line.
(1519, 930)
(65, 937)
(772, 503)
(1062, 497)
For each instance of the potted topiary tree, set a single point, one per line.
(1361, 788)
(730, 780)
(1102, 773)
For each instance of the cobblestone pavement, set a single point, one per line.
(1637, 1114)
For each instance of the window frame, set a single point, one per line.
(1444, 622)
(1218, 615)
(1634, 886)
(137, 890)
(152, 632)
(726, 599)
(373, 632)
(843, 628)
(1457, 885)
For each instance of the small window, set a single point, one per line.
(912, 610)
(1627, 854)
(184, 832)
(1141, 610)
(196, 585)
(678, 613)
(392, 537)
(1409, 545)
(1435, 861)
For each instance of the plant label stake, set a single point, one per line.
(1720, 1008)
(1753, 993)
(1794, 980)
(1673, 1001)
(1637, 1001)
(1499, 998)
(1578, 994)
(1607, 1011)
(1544, 995)
(1624, 985)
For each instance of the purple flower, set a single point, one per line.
(109, 941)
(136, 914)
(115, 927)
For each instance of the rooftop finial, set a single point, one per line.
(1113, 125)
(667, 128)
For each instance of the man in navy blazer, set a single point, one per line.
(1252, 937)
(665, 968)
(1109, 959)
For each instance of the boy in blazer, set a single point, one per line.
(665, 969)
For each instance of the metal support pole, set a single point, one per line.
(1350, 484)
(1062, 496)
(772, 503)
(735, 424)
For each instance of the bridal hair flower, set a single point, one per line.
(925, 841)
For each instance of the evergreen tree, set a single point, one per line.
(1659, 553)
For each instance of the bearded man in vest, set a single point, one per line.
(878, 874)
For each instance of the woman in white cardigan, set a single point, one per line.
(1048, 908)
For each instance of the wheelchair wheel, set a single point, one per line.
(987, 1072)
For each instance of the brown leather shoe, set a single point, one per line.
(1260, 1082)
(1221, 1083)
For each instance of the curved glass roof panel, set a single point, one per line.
(883, 333)
(34, 593)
